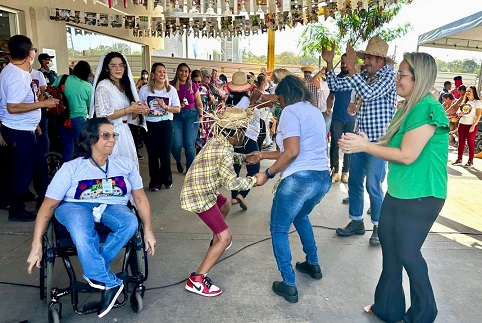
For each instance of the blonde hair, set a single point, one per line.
(424, 70)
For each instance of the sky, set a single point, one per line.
(424, 15)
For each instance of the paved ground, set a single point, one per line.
(350, 266)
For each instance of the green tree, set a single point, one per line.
(354, 27)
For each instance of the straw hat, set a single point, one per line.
(239, 83)
(310, 69)
(228, 118)
(376, 47)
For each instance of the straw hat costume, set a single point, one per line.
(376, 47)
(239, 83)
(310, 69)
(231, 119)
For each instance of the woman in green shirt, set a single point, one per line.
(78, 92)
(416, 148)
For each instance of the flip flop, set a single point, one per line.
(242, 202)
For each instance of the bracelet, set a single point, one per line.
(268, 173)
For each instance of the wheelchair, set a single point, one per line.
(57, 243)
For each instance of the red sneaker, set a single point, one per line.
(202, 285)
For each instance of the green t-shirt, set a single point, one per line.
(427, 175)
(78, 93)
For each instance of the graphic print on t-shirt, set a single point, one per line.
(155, 109)
(467, 108)
(92, 188)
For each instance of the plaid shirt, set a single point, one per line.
(212, 168)
(378, 97)
(313, 89)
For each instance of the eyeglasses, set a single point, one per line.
(108, 135)
(34, 49)
(117, 65)
(197, 82)
(399, 75)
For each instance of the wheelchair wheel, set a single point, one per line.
(54, 161)
(49, 260)
(54, 316)
(137, 299)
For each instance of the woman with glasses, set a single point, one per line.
(163, 103)
(186, 123)
(96, 188)
(416, 148)
(115, 97)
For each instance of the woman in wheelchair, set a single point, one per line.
(95, 187)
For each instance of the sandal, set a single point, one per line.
(234, 201)
(242, 202)
(368, 309)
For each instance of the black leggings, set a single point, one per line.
(403, 227)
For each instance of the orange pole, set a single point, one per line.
(271, 40)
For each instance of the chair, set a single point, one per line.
(58, 244)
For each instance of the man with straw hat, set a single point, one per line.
(307, 71)
(211, 169)
(375, 105)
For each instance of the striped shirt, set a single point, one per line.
(378, 97)
(212, 169)
(313, 89)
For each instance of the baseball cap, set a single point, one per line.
(43, 56)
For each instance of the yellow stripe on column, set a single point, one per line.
(271, 40)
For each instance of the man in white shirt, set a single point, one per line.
(20, 115)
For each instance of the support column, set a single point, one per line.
(271, 40)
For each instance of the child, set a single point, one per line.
(213, 168)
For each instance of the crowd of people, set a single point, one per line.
(223, 125)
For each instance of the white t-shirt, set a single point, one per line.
(38, 80)
(254, 127)
(156, 113)
(468, 110)
(80, 181)
(16, 86)
(304, 120)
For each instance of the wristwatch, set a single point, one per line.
(268, 174)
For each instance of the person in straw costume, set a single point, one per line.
(211, 169)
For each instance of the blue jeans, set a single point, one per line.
(78, 220)
(44, 127)
(185, 133)
(70, 137)
(363, 165)
(295, 198)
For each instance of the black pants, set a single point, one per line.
(403, 227)
(158, 144)
(250, 146)
(262, 133)
(337, 128)
(5, 175)
(28, 163)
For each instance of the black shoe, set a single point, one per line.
(457, 162)
(313, 270)
(109, 296)
(369, 211)
(354, 227)
(469, 164)
(21, 216)
(29, 197)
(290, 293)
(179, 167)
(374, 241)
(346, 200)
(140, 157)
(168, 186)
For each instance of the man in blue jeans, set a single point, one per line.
(376, 100)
